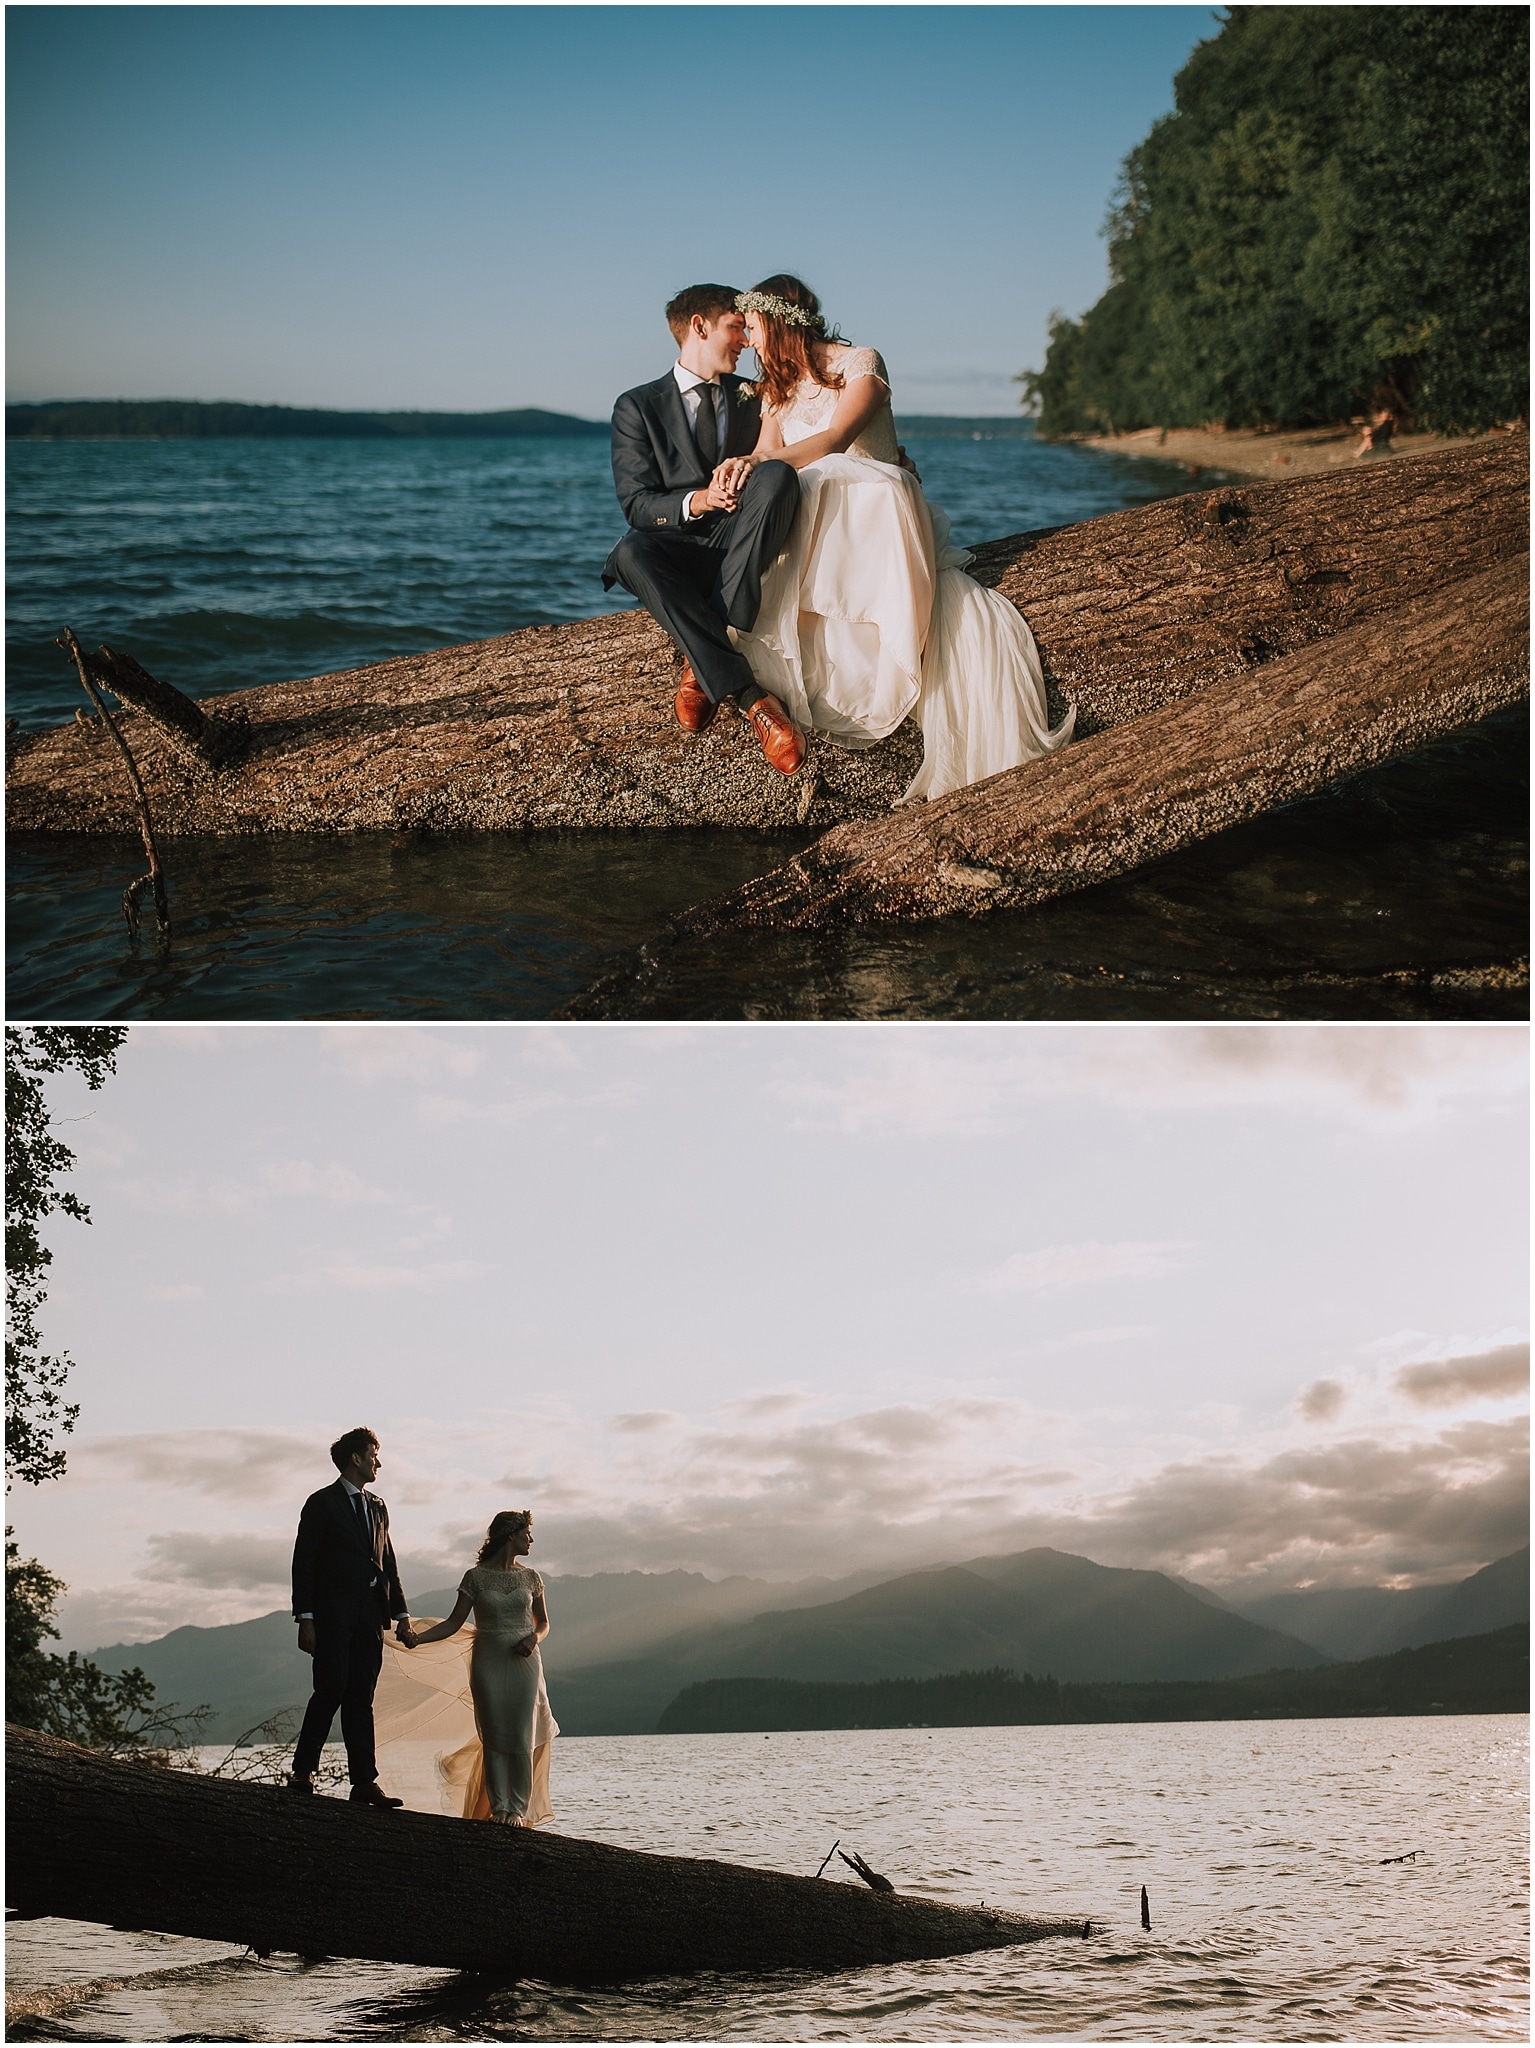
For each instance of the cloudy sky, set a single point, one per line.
(466, 207)
(1246, 1304)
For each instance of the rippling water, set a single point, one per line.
(1261, 1845)
(222, 564)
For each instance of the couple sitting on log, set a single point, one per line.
(781, 537)
(346, 1592)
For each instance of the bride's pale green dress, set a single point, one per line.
(429, 1693)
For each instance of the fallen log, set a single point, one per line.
(1241, 746)
(563, 726)
(89, 1838)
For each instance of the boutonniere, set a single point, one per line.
(745, 393)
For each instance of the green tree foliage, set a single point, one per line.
(70, 1696)
(1335, 217)
(35, 1412)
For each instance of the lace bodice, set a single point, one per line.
(503, 1601)
(811, 405)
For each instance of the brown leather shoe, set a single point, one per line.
(781, 741)
(694, 707)
(373, 1794)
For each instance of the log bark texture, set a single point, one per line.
(562, 726)
(1240, 746)
(136, 1846)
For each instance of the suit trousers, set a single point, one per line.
(347, 1661)
(694, 584)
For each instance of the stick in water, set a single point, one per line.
(155, 879)
(829, 1855)
(1145, 1909)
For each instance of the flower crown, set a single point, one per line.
(780, 309)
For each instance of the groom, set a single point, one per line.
(696, 553)
(346, 1589)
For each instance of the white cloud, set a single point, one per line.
(511, 1111)
(248, 1563)
(372, 1276)
(933, 1082)
(368, 1054)
(236, 1464)
(289, 1180)
(1055, 1267)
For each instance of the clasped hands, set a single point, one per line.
(726, 485)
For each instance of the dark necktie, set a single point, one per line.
(362, 1515)
(706, 427)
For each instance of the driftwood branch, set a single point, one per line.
(872, 1878)
(154, 881)
(212, 741)
(1233, 617)
(91, 1839)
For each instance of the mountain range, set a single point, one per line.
(623, 1644)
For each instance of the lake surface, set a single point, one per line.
(1275, 1915)
(221, 564)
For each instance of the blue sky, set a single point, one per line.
(474, 207)
(1245, 1303)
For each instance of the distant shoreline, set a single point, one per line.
(1485, 1674)
(178, 419)
(1291, 451)
(174, 419)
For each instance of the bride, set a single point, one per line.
(505, 1775)
(867, 617)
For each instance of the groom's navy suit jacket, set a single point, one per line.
(337, 1576)
(656, 463)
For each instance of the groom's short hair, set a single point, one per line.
(345, 1447)
(708, 300)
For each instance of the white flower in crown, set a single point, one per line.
(780, 309)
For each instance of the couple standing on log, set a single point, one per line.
(780, 536)
(346, 1593)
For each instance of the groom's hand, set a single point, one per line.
(306, 1638)
(715, 499)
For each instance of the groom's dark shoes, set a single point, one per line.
(373, 1794)
(694, 707)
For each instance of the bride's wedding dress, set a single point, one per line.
(868, 617)
(503, 1768)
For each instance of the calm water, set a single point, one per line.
(1261, 1845)
(222, 564)
(1386, 900)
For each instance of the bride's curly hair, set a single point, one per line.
(786, 355)
(501, 1527)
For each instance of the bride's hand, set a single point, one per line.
(731, 476)
(406, 1638)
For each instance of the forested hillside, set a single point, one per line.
(1336, 218)
(1487, 1674)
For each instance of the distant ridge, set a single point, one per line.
(178, 419)
(195, 419)
(1487, 1674)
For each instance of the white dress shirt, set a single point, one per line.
(693, 388)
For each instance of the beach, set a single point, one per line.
(1279, 453)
